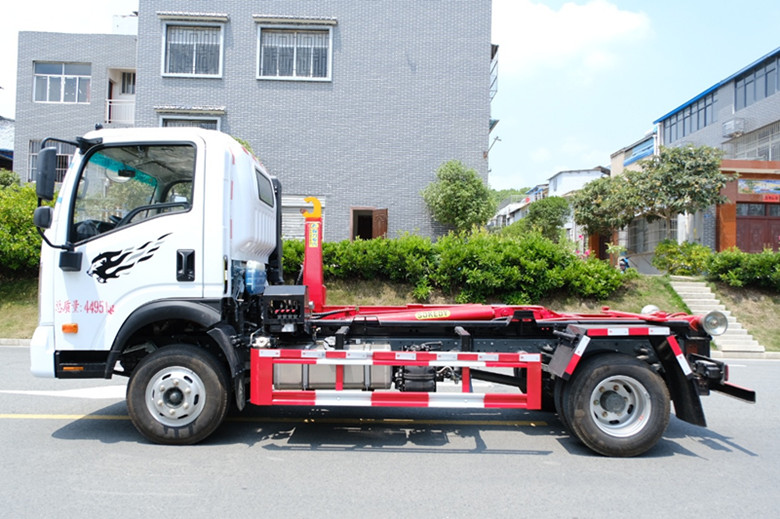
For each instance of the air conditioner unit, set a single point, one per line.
(733, 128)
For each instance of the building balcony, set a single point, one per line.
(120, 111)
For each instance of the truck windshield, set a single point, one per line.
(125, 185)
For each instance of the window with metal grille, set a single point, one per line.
(191, 122)
(762, 144)
(65, 154)
(193, 50)
(294, 54)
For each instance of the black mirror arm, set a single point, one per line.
(68, 246)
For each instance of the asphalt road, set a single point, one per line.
(68, 449)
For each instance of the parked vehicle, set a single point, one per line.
(162, 263)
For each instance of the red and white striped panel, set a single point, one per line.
(577, 355)
(678, 354)
(262, 391)
(357, 398)
(400, 358)
(624, 331)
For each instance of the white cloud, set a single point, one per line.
(583, 39)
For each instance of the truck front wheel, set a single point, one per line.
(617, 405)
(178, 395)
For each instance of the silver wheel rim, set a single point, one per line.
(175, 396)
(620, 406)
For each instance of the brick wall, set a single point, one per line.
(409, 91)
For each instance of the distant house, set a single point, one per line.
(66, 85)
(506, 214)
(741, 116)
(563, 184)
(515, 207)
(566, 183)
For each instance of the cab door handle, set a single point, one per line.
(185, 265)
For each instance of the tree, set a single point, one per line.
(458, 197)
(676, 181)
(679, 180)
(548, 216)
(605, 205)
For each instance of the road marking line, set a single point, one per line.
(9, 416)
(90, 393)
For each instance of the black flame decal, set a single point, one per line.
(110, 265)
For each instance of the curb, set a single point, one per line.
(14, 342)
(767, 355)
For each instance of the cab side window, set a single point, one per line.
(126, 185)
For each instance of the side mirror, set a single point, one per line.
(46, 173)
(42, 216)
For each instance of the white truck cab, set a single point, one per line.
(134, 236)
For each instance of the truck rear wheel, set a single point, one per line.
(178, 395)
(559, 397)
(616, 405)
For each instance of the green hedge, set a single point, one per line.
(20, 243)
(732, 266)
(685, 259)
(476, 267)
(741, 269)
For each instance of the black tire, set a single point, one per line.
(616, 405)
(559, 396)
(178, 395)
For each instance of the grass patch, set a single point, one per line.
(18, 307)
(756, 310)
(638, 292)
(635, 295)
(368, 293)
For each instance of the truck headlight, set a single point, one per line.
(715, 323)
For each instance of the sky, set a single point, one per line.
(578, 80)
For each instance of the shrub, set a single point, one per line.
(292, 259)
(741, 269)
(686, 259)
(474, 267)
(409, 259)
(8, 178)
(483, 266)
(20, 243)
(592, 278)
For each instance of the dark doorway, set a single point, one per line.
(368, 223)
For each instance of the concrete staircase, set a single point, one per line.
(700, 299)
